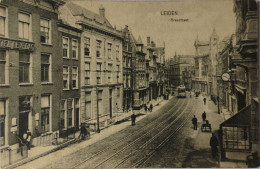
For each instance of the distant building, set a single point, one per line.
(205, 79)
(183, 68)
(139, 75)
(127, 69)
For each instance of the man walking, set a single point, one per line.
(214, 145)
(204, 116)
(151, 107)
(133, 117)
(194, 122)
(204, 100)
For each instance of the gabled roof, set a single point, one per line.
(139, 41)
(87, 15)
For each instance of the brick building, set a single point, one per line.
(30, 62)
(70, 53)
(101, 65)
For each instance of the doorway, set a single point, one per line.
(110, 103)
(23, 123)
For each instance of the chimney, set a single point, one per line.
(102, 11)
(153, 44)
(148, 41)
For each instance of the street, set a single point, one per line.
(161, 139)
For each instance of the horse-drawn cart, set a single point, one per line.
(206, 126)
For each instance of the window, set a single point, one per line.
(65, 77)
(74, 77)
(45, 68)
(24, 66)
(45, 113)
(100, 106)
(87, 47)
(98, 51)
(117, 52)
(24, 104)
(129, 81)
(45, 31)
(70, 110)
(99, 73)
(118, 92)
(109, 48)
(2, 121)
(88, 105)
(24, 26)
(117, 73)
(62, 113)
(65, 47)
(74, 49)
(87, 73)
(2, 21)
(3, 67)
(109, 72)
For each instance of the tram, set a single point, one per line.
(181, 91)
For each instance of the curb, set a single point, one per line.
(22, 162)
(27, 160)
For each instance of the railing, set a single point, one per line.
(45, 139)
(9, 156)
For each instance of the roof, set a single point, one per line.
(242, 118)
(139, 41)
(88, 15)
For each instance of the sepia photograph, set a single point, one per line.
(129, 84)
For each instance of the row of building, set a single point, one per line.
(62, 65)
(227, 71)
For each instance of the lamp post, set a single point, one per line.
(218, 95)
(98, 130)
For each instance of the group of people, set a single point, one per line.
(148, 108)
(195, 120)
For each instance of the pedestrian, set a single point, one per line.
(194, 122)
(214, 145)
(133, 117)
(151, 107)
(204, 116)
(83, 131)
(204, 100)
(27, 137)
(145, 108)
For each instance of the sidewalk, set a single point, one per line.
(48, 154)
(200, 154)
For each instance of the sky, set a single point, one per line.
(144, 18)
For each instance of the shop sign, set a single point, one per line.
(16, 45)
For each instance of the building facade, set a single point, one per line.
(101, 65)
(127, 69)
(139, 75)
(70, 76)
(29, 65)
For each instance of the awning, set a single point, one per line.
(242, 118)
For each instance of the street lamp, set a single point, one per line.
(98, 130)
